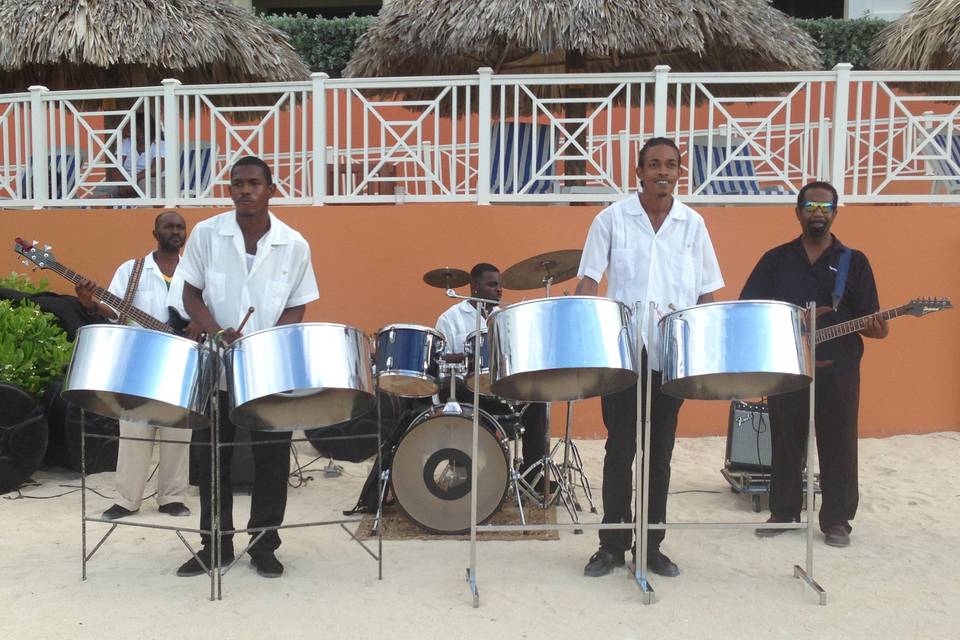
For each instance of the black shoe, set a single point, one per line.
(192, 567)
(769, 533)
(661, 565)
(836, 536)
(601, 563)
(176, 509)
(116, 512)
(266, 564)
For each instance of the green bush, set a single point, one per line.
(843, 40)
(33, 347)
(21, 282)
(323, 44)
(327, 44)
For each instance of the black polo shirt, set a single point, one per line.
(784, 273)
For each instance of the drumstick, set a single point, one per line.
(245, 318)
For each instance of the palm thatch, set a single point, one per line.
(442, 37)
(926, 37)
(85, 44)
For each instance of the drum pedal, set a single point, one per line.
(332, 470)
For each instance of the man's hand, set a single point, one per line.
(875, 327)
(226, 337)
(85, 289)
(194, 332)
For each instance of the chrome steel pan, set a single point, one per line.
(561, 349)
(299, 376)
(140, 374)
(734, 350)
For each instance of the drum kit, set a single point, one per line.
(550, 349)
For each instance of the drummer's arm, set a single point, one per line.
(197, 310)
(587, 287)
(292, 315)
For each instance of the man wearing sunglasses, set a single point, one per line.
(817, 266)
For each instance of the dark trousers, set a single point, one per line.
(620, 418)
(837, 404)
(534, 422)
(268, 499)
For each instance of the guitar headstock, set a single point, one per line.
(33, 254)
(922, 306)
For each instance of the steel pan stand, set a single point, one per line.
(642, 527)
(84, 519)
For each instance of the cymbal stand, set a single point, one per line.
(572, 467)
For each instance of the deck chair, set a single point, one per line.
(734, 179)
(531, 156)
(63, 165)
(196, 169)
(946, 166)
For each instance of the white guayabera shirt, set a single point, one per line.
(672, 267)
(456, 323)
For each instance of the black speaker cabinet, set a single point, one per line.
(748, 437)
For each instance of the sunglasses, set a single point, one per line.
(810, 206)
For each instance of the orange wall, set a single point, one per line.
(369, 262)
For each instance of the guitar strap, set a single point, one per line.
(843, 268)
(131, 291)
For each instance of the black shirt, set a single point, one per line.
(784, 273)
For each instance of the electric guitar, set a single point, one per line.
(917, 307)
(44, 259)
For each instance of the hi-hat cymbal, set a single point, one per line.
(446, 278)
(530, 273)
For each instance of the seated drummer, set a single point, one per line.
(459, 321)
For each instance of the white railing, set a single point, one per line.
(486, 138)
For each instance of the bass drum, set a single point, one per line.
(430, 475)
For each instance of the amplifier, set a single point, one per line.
(748, 437)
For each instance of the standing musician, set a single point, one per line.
(653, 248)
(799, 271)
(457, 322)
(149, 291)
(238, 259)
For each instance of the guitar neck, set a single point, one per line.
(137, 315)
(850, 326)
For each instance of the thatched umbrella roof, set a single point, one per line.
(441, 37)
(85, 44)
(926, 37)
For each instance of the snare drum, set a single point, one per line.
(481, 352)
(407, 362)
(430, 474)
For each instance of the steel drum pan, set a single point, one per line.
(140, 375)
(299, 376)
(735, 350)
(407, 360)
(430, 474)
(556, 349)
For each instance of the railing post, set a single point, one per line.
(484, 125)
(318, 153)
(823, 150)
(39, 165)
(624, 160)
(841, 100)
(171, 143)
(660, 93)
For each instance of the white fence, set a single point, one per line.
(486, 138)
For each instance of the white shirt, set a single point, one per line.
(152, 295)
(456, 323)
(672, 267)
(131, 157)
(281, 277)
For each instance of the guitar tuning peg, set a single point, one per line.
(25, 263)
(47, 247)
(33, 243)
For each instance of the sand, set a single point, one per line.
(900, 578)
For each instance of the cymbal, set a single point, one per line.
(530, 273)
(446, 278)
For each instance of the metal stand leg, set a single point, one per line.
(800, 572)
(641, 514)
(83, 496)
(216, 584)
